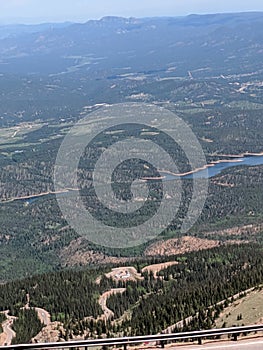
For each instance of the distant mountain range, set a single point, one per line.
(16, 30)
(114, 45)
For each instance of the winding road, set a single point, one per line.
(43, 315)
(8, 333)
(107, 313)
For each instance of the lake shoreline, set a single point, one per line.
(235, 159)
(42, 194)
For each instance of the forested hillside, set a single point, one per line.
(195, 288)
(206, 69)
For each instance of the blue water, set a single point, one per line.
(219, 167)
(207, 173)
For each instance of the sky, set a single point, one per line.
(36, 11)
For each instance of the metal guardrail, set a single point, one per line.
(162, 338)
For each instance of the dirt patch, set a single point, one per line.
(2, 339)
(155, 268)
(205, 139)
(238, 231)
(127, 273)
(223, 184)
(50, 333)
(182, 245)
(75, 254)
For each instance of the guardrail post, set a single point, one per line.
(199, 341)
(125, 346)
(162, 344)
(235, 336)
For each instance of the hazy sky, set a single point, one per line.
(34, 11)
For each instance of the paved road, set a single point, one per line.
(230, 345)
(43, 315)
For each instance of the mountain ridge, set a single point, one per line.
(143, 43)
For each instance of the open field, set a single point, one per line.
(10, 135)
(245, 311)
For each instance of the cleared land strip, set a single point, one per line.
(155, 268)
(236, 297)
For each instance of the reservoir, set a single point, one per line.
(217, 168)
(212, 170)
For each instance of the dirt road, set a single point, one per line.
(107, 313)
(8, 333)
